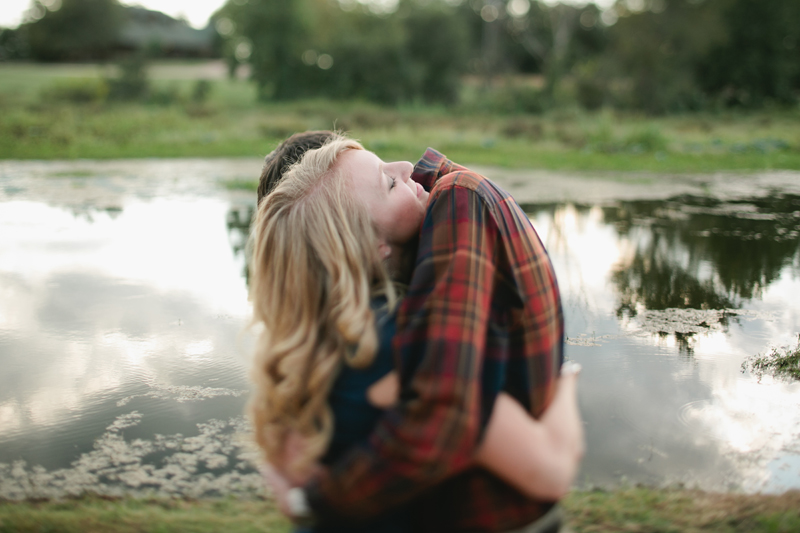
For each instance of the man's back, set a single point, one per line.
(507, 269)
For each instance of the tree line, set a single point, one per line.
(652, 55)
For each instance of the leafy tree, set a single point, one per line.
(653, 51)
(541, 37)
(12, 44)
(439, 45)
(78, 30)
(270, 35)
(301, 48)
(759, 59)
(673, 55)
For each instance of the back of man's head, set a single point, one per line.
(285, 155)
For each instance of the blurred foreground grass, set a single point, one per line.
(42, 118)
(630, 510)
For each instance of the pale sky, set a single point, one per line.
(196, 12)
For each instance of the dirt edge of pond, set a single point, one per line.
(528, 186)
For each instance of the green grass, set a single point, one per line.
(241, 184)
(34, 124)
(641, 510)
(94, 515)
(627, 510)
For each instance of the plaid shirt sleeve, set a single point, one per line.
(433, 166)
(442, 329)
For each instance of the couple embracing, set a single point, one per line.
(408, 374)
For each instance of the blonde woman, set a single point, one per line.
(324, 244)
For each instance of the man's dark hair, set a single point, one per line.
(285, 155)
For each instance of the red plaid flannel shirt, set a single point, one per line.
(482, 315)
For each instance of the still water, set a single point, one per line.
(123, 307)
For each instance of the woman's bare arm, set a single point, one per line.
(385, 392)
(540, 458)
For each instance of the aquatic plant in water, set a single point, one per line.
(783, 362)
(215, 462)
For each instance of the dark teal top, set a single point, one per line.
(354, 417)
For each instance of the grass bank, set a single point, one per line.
(51, 113)
(629, 510)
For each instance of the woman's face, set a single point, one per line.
(395, 202)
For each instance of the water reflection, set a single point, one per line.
(109, 311)
(238, 221)
(661, 318)
(703, 253)
(122, 310)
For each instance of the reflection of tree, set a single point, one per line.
(238, 222)
(746, 244)
(654, 283)
(750, 249)
(89, 212)
(685, 342)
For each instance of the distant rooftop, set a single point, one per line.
(145, 28)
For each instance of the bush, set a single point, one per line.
(591, 86)
(522, 127)
(511, 98)
(132, 83)
(77, 91)
(648, 139)
(201, 91)
(164, 95)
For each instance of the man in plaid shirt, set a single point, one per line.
(482, 315)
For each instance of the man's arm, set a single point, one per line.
(443, 321)
(433, 166)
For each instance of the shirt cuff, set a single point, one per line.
(427, 169)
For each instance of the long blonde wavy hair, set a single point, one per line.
(315, 267)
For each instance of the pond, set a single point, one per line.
(123, 308)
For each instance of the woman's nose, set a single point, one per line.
(404, 169)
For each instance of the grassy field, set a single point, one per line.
(635, 510)
(37, 121)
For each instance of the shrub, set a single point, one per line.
(510, 98)
(648, 139)
(77, 91)
(164, 95)
(132, 83)
(201, 91)
(522, 127)
(591, 87)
